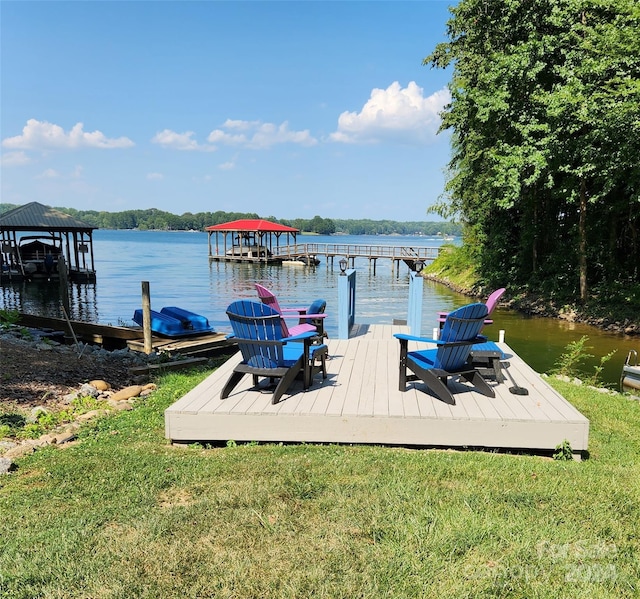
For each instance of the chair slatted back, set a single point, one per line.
(461, 325)
(492, 300)
(258, 330)
(269, 299)
(316, 307)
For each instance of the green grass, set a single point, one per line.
(455, 266)
(123, 514)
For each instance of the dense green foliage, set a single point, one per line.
(157, 219)
(545, 117)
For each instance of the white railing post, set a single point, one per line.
(346, 302)
(414, 312)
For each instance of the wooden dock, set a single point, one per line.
(359, 402)
(414, 256)
(193, 345)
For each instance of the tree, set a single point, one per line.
(544, 116)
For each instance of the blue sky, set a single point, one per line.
(291, 109)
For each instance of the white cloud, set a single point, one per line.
(180, 141)
(48, 174)
(242, 125)
(394, 114)
(40, 135)
(217, 136)
(258, 135)
(155, 176)
(227, 166)
(15, 159)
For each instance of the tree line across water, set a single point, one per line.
(154, 219)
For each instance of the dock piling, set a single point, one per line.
(146, 317)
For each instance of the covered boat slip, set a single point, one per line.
(38, 242)
(360, 402)
(248, 240)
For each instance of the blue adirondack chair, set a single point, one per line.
(450, 358)
(266, 353)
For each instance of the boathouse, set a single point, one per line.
(249, 240)
(38, 242)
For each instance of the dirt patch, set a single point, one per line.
(38, 372)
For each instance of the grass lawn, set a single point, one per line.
(123, 514)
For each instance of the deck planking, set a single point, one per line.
(359, 402)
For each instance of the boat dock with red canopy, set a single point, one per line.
(249, 240)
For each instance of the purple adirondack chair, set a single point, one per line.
(304, 316)
(491, 303)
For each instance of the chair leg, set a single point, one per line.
(320, 354)
(286, 380)
(497, 368)
(434, 383)
(476, 379)
(404, 344)
(234, 379)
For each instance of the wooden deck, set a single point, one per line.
(359, 402)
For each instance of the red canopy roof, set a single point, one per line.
(252, 224)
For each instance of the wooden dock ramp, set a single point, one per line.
(359, 402)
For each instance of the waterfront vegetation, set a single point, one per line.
(616, 307)
(122, 513)
(545, 135)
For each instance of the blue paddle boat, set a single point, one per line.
(172, 321)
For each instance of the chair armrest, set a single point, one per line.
(294, 316)
(478, 339)
(404, 336)
(300, 337)
(407, 337)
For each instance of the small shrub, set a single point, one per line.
(8, 318)
(563, 453)
(594, 379)
(569, 361)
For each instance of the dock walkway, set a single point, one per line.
(414, 256)
(411, 255)
(359, 402)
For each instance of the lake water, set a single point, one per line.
(177, 266)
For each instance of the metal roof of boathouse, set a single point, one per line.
(38, 217)
(252, 224)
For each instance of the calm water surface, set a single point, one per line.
(177, 267)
